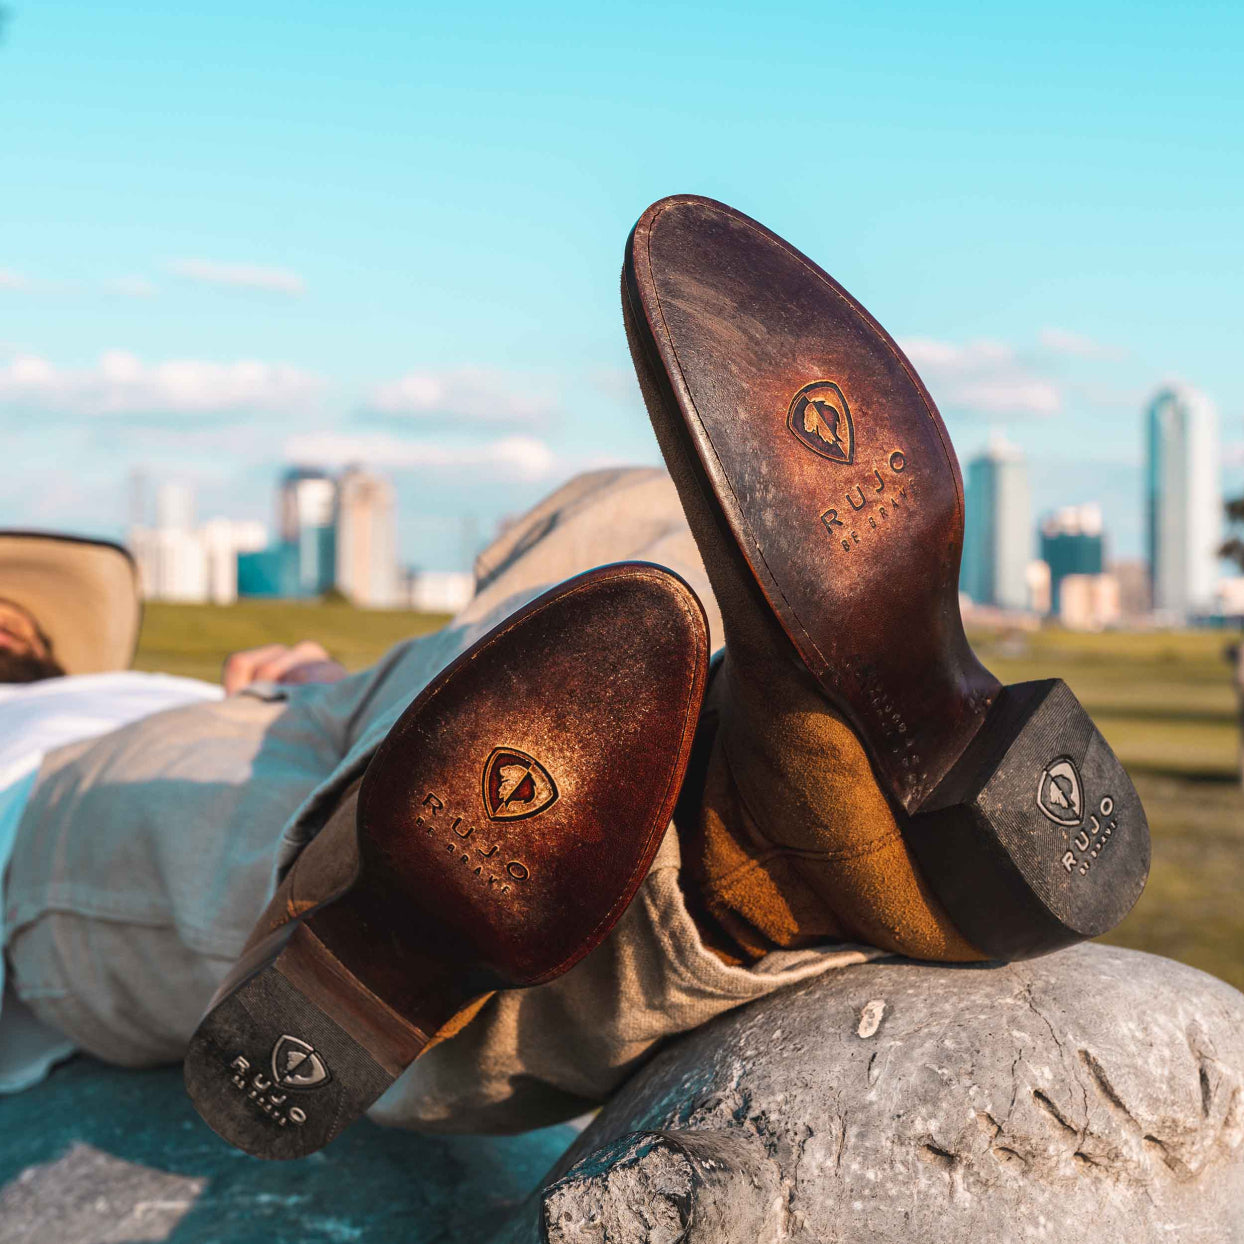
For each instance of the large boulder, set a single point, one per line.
(1094, 1095)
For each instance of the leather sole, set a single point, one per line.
(822, 487)
(501, 830)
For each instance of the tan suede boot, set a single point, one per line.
(497, 835)
(791, 841)
(869, 778)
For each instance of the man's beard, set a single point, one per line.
(26, 667)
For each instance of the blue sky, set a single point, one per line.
(247, 234)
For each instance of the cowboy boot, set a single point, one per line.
(867, 777)
(497, 835)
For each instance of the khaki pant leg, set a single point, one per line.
(143, 859)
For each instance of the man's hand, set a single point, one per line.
(303, 663)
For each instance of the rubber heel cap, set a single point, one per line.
(1036, 839)
(272, 1074)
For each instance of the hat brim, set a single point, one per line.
(83, 594)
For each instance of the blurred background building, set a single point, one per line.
(333, 535)
(1231, 598)
(180, 561)
(1135, 591)
(439, 591)
(997, 541)
(1071, 544)
(1084, 595)
(306, 520)
(1183, 502)
(1089, 602)
(366, 540)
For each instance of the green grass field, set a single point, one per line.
(193, 640)
(1163, 700)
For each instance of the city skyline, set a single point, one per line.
(1076, 575)
(337, 533)
(333, 536)
(277, 249)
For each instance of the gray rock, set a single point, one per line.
(90, 1195)
(1094, 1095)
(666, 1186)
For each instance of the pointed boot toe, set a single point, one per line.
(822, 488)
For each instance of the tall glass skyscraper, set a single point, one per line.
(997, 538)
(1183, 501)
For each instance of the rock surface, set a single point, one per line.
(1094, 1095)
(100, 1154)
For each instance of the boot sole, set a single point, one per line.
(502, 828)
(816, 471)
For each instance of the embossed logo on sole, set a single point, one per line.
(1060, 793)
(516, 785)
(296, 1065)
(820, 419)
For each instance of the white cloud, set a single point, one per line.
(131, 287)
(479, 394)
(239, 275)
(618, 383)
(127, 286)
(1064, 341)
(983, 376)
(515, 457)
(120, 383)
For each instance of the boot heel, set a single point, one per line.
(1036, 838)
(293, 1049)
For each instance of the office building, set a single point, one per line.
(306, 512)
(270, 573)
(439, 591)
(178, 561)
(366, 540)
(1135, 596)
(224, 540)
(1089, 602)
(1183, 502)
(1230, 597)
(175, 507)
(997, 543)
(1038, 579)
(1071, 544)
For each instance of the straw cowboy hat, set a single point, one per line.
(82, 593)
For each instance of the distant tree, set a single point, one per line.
(1234, 547)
